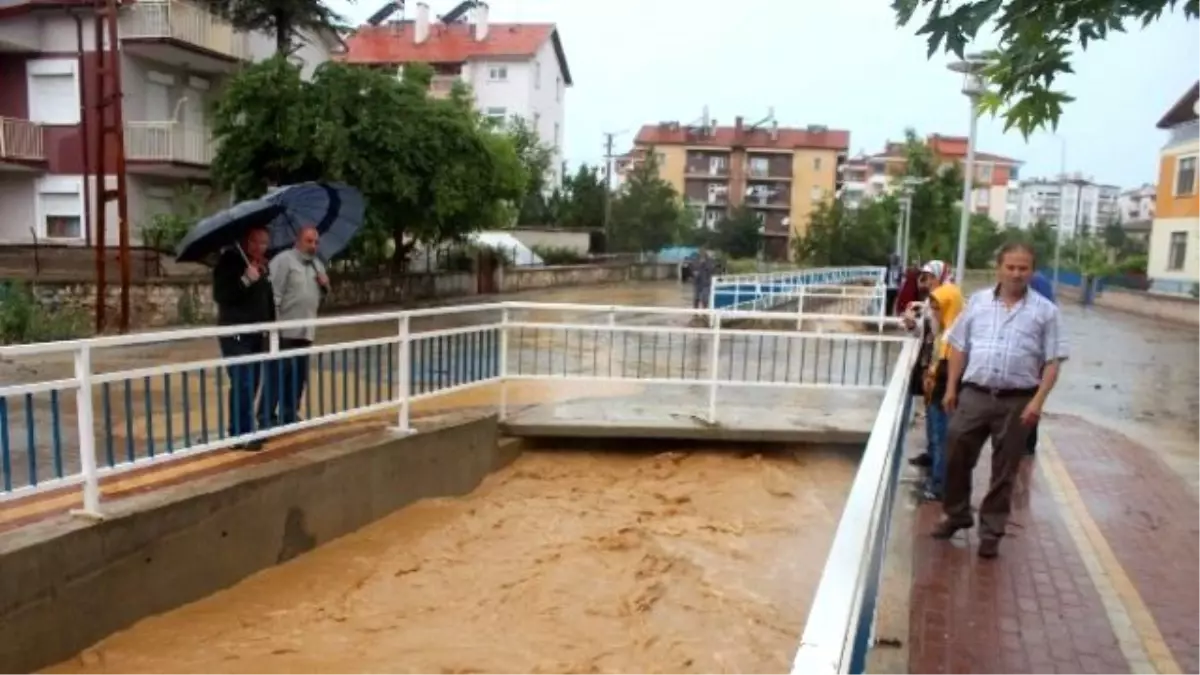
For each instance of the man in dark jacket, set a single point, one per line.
(243, 295)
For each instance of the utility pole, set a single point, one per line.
(608, 171)
(107, 97)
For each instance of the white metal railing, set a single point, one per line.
(839, 631)
(185, 22)
(124, 419)
(169, 141)
(760, 291)
(21, 139)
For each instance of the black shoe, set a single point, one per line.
(989, 548)
(948, 528)
(922, 460)
(251, 446)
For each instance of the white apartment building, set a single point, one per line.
(1078, 203)
(1137, 204)
(512, 68)
(173, 57)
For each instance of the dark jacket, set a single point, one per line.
(238, 303)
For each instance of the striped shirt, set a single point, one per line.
(1007, 348)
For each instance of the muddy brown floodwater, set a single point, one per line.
(566, 561)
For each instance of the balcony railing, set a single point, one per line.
(706, 169)
(21, 139)
(168, 142)
(185, 22)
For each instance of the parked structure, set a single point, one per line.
(514, 69)
(1174, 261)
(1080, 204)
(173, 57)
(781, 173)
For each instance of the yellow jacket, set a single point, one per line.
(947, 302)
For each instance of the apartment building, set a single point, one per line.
(1077, 203)
(1136, 204)
(994, 176)
(781, 173)
(512, 68)
(173, 57)
(1174, 253)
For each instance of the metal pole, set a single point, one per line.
(114, 63)
(1062, 203)
(964, 224)
(907, 229)
(899, 233)
(608, 169)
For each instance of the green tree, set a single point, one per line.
(647, 214)
(580, 203)
(737, 234)
(535, 158)
(837, 235)
(430, 169)
(1034, 47)
(284, 19)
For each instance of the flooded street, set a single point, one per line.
(571, 561)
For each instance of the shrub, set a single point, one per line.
(23, 319)
(559, 255)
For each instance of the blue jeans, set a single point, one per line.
(936, 431)
(244, 380)
(284, 385)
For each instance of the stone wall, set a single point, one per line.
(1176, 309)
(164, 302)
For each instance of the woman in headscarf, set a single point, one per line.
(945, 304)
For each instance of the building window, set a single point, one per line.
(816, 163)
(496, 115)
(1185, 176)
(759, 166)
(816, 193)
(1177, 255)
(556, 134)
(60, 208)
(53, 91)
(498, 73)
(558, 88)
(537, 74)
(983, 174)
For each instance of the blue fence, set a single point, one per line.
(763, 291)
(141, 417)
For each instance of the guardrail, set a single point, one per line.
(767, 290)
(86, 421)
(185, 22)
(839, 632)
(21, 139)
(167, 141)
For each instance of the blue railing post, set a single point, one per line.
(87, 433)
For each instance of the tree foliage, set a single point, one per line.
(647, 214)
(1036, 39)
(284, 19)
(580, 201)
(737, 234)
(838, 235)
(535, 158)
(431, 170)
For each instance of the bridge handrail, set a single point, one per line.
(838, 632)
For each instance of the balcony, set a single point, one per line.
(706, 170)
(168, 148)
(183, 35)
(765, 197)
(442, 85)
(21, 144)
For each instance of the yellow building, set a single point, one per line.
(780, 173)
(1174, 255)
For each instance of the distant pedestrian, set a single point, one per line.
(242, 292)
(893, 275)
(299, 282)
(910, 290)
(945, 304)
(702, 275)
(1004, 357)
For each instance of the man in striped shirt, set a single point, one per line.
(1005, 351)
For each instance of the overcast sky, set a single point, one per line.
(841, 63)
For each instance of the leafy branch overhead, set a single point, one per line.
(1035, 44)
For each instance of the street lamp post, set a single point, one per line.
(973, 87)
(1058, 222)
(906, 194)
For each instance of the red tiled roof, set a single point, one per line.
(1183, 110)
(452, 43)
(945, 146)
(724, 137)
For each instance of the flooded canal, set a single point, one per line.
(573, 561)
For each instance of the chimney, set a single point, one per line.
(421, 33)
(481, 22)
(737, 127)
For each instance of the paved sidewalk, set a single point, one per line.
(1098, 573)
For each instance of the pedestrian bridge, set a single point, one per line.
(791, 357)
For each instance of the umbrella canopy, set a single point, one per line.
(225, 228)
(335, 209)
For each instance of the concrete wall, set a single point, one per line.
(575, 240)
(67, 583)
(156, 303)
(1175, 309)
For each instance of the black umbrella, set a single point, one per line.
(335, 209)
(225, 228)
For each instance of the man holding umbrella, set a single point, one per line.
(299, 282)
(242, 291)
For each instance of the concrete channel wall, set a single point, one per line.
(1176, 309)
(67, 583)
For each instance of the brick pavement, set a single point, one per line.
(1036, 608)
